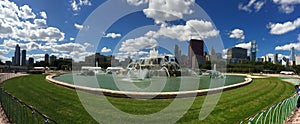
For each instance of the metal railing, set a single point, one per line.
(276, 114)
(17, 111)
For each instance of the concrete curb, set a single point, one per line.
(146, 95)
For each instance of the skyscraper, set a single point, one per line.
(24, 63)
(237, 55)
(196, 52)
(292, 56)
(52, 59)
(253, 51)
(47, 59)
(17, 55)
(30, 61)
(275, 61)
(177, 53)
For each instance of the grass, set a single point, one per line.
(64, 106)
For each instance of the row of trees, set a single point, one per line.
(254, 67)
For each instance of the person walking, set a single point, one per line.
(297, 93)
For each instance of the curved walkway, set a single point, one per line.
(3, 77)
(158, 95)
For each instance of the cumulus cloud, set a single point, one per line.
(288, 47)
(193, 29)
(4, 58)
(237, 34)
(3, 51)
(134, 45)
(26, 12)
(21, 24)
(76, 5)
(112, 35)
(79, 27)
(286, 6)
(67, 47)
(282, 28)
(244, 45)
(137, 2)
(43, 15)
(105, 50)
(252, 4)
(11, 44)
(167, 10)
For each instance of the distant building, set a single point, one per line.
(253, 51)
(237, 55)
(196, 53)
(260, 59)
(298, 59)
(266, 59)
(177, 53)
(46, 59)
(13, 60)
(292, 56)
(24, 61)
(285, 61)
(17, 59)
(97, 59)
(275, 61)
(52, 59)
(30, 61)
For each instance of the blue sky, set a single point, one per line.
(63, 28)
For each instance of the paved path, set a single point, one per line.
(3, 77)
(294, 118)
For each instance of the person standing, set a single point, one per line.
(297, 93)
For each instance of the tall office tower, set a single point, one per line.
(237, 55)
(13, 60)
(17, 55)
(177, 53)
(253, 51)
(47, 59)
(275, 61)
(24, 63)
(292, 56)
(30, 61)
(196, 53)
(52, 59)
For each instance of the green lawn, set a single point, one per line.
(63, 105)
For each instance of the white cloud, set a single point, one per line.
(105, 50)
(3, 51)
(288, 47)
(76, 5)
(79, 27)
(112, 35)
(43, 15)
(134, 45)
(4, 58)
(11, 44)
(298, 37)
(21, 24)
(67, 47)
(282, 28)
(26, 12)
(287, 6)
(237, 34)
(137, 2)
(168, 10)
(244, 45)
(193, 29)
(72, 38)
(257, 5)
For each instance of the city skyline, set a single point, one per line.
(274, 29)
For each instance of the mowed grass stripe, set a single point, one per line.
(63, 105)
